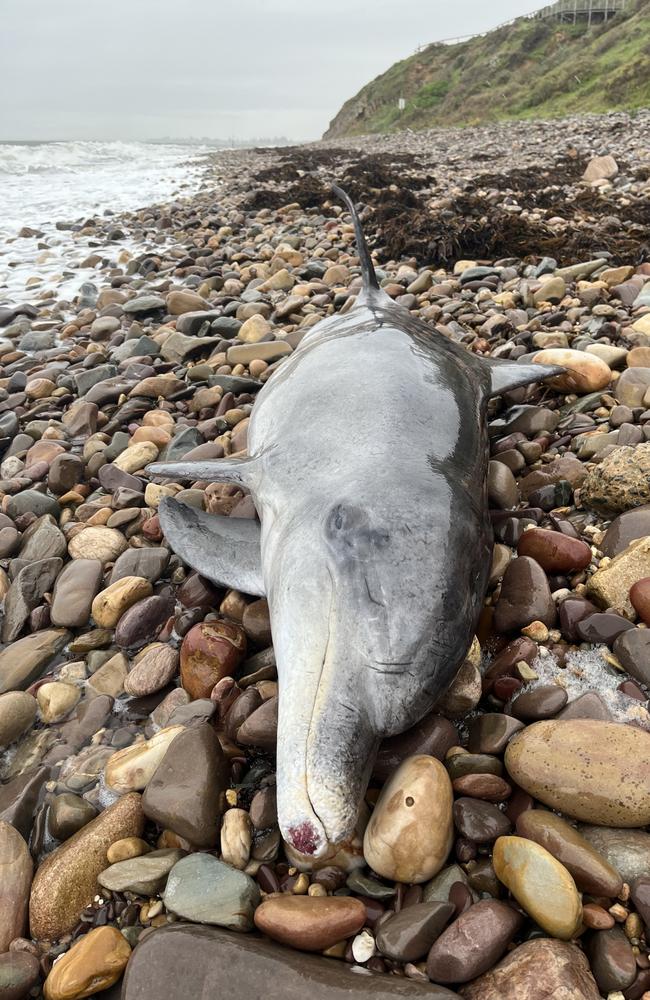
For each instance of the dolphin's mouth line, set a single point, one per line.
(309, 843)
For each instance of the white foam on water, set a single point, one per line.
(587, 670)
(42, 183)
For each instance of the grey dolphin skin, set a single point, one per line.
(368, 457)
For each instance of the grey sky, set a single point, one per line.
(139, 69)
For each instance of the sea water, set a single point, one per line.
(49, 182)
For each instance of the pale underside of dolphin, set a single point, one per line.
(367, 463)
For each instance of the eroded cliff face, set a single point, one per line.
(527, 69)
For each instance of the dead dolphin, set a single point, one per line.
(368, 457)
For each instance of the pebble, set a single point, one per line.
(408, 935)
(145, 875)
(66, 881)
(590, 871)
(19, 972)
(543, 702)
(132, 768)
(92, 964)
(68, 813)
(478, 821)
(110, 604)
(74, 592)
(56, 700)
(15, 878)
(585, 372)
(473, 943)
(210, 651)
(593, 771)
(23, 661)
(310, 923)
(525, 597)
(640, 599)
(536, 970)
(555, 552)
(207, 891)
(541, 885)
(433, 735)
(627, 851)
(612, 960)
(621, 481)
(153, 669)
(410, 831)
(610, 585)
(17, 713)
(186, 792)
(491, 733)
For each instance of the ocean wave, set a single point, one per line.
(76, 157)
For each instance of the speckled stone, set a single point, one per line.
(621, 481)
(537, 970)
(66, 881)
(597, 772)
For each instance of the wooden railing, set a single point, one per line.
(572, 11)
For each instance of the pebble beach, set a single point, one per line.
(503, 847)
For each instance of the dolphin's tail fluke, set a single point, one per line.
(367, 267)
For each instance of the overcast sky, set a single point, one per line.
(141, 69)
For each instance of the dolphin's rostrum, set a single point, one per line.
(367, 464)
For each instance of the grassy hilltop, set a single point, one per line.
(529, 69)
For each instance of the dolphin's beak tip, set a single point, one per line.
(305, 839)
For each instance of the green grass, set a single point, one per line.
(531, 69)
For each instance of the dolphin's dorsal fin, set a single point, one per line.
(370, 283)
(225, 550)
(506, 375)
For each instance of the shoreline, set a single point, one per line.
(138, 701)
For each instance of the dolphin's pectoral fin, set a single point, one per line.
(225, 550)
(506, 375)
(239, 471)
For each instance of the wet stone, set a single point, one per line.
(145, 875)
(204, 890)
(627, 851)
(478, 821)
(554, 551)
(181, 961)
(632, 649)
(187, 791)
(310, 923)
(590, 871)
(525, 597)
(491, 733)
(597, 772)
(601, 627)
(543, 702)
(67, 814)
(19, 971)
(434, 736)
(541, 885)
(144, 620)
(473, 943)
(408, 936)
(612, 960)
(535, 970)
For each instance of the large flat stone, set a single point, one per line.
(203, 962)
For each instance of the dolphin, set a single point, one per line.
(367, 463)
